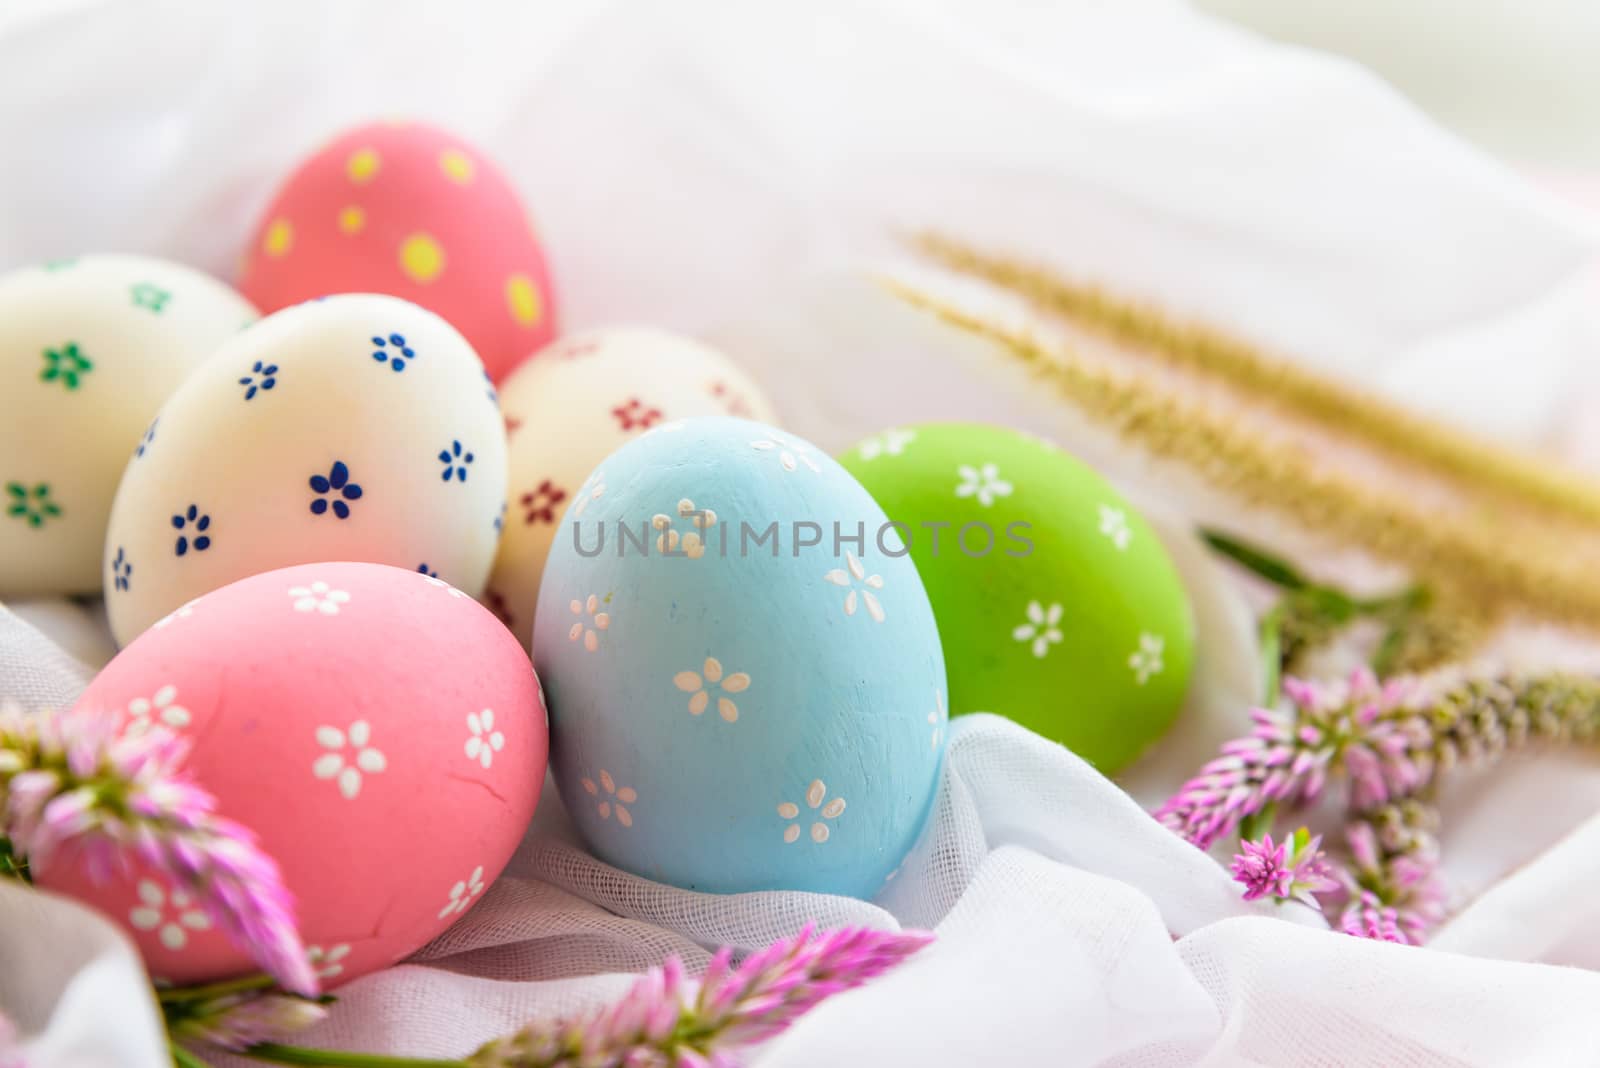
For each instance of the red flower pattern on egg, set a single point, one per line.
(732, 400)
(634, 415)
(541, 502)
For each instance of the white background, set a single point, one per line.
(739, 170)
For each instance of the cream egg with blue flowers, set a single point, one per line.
(357, 427)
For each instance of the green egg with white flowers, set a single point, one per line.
(1057, 605)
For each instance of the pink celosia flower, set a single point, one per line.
(1367, 917)
(669, 1020)
(1288, 755)
(1294, 868)
(1263, 868)
(1391, 741)
(74, 778)
(1393, 889)
(239, 1021)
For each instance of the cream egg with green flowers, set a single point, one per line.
(90, 347)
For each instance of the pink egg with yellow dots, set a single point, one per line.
(415, 212)
(381, 733)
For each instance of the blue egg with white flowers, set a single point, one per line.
(742, 670)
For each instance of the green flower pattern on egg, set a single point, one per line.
(1057, 605)
(90, 348)
(66, 364)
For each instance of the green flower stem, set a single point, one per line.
(1271, 632)
(1258, 823)
(1309, 614)
(273, 1053)
(1411, 599)
(182, 1058)
(178, 995)
(1278, 572)
(1387, 654)
(1286, 576)
(11, 865)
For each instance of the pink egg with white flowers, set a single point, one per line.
(415, 212)
(381, 733)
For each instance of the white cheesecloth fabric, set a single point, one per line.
(739, 170)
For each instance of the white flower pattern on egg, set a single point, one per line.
(328, 960)
(1114, 525)
(938, 718)
(815, 794)
(616, 799)
(171, 915)
(333, 764)
(161, 707)
(593, 488)
(318, 597)
(590, 631)
(790, 454)
(983, 482)
(1041, 628)
(692, 543)
(172, 617)
(857, 572)
(483, 741)
(463, 894)
(888, 443)
(699, 685)
(1146, 660)
(440, 583)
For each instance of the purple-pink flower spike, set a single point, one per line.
(238, 1021)
(1287, 756)
(1263, 868)
(1368, 917)
(775, 987)
(73, 778)
(668, 1020)
(1294, 868)
(1391, 741)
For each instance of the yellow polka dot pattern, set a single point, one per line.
(456, 165)
(421, 258)
(522, 297)
(279, 238)
(362, 166)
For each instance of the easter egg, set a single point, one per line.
(1056, 602)
(359, 427)
(415, 212)
(378, 731)
(89, 348)
(571, 408)
(745, 684)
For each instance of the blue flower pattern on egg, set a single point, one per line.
(334, 489)
(192, 526)
(739, 720)
(424, 569)
(392, 350)
(148, 439)
(456, 462)
(121, 571)
(262, 376)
